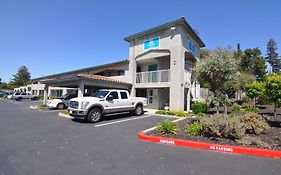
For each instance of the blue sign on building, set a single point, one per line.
(149, 44)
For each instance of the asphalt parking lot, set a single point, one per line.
(39, 142)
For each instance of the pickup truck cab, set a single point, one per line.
(104, 102)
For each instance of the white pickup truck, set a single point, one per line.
(104, 102)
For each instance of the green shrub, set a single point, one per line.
(254, 123)
(199, 107)
(252, 140)
(236, 107)
(251, 109)
(41, 97)
(223, 126)
(176, 113)
(194, 128)
(234, 127)
(167, 127)
(65, 112)
(41, 106)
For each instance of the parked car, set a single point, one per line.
(22, 95)
(105, 102)
(60, 103)
(5, 93)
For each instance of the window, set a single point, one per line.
(138, 69)
(100, 94)
(109, 74)
(17, 93)
(23, 93)
(114, 94)
(124, 95)
(41, 92)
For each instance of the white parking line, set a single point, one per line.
(120, 121)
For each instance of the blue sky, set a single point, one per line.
(52, 36)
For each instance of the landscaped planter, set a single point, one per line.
(205, 144)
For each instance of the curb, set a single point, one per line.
(64, 115)
(34, 107)
(208, 146)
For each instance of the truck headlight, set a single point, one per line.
(84, 104)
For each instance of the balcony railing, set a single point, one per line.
(159, 76)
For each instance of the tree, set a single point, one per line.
(252, 62)
(272, 56)
(259, 68)
(246, 61)
(216, 70)
(0, 80)
(255, 90)
(273, 90)
(238, 83)
(22, 77)
(205, 53)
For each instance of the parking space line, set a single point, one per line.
(120, 121)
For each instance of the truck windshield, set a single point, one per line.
(100, 94)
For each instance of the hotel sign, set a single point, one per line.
(153, 43)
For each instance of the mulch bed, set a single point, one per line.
(272, 138)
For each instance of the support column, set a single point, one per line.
(188, 100)
(177, 82)
(132, 68)
(46, 90)
(81, 88)
(64, 91)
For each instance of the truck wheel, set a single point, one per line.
(138, 110)
(95, 115)
(60, 106)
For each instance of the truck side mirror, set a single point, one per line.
(109, 98)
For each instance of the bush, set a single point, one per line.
(251, 109)
(194, 128)
(236, 107)
(199, 107)
(65, 112)
(167, 127)
(234, 127)
(254, 123)
(252, 140)
(41, 106)
(41, 97)
(176, 113)
(223, 126)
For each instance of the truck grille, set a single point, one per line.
(73, 104)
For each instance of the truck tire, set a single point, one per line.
(60, 106)
(94, 116)
(138, 110)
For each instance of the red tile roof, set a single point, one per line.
(99, 77)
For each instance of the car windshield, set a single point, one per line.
(100, 94)
(63, 96)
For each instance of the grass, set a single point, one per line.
(66, 112)
(176, 113)
(41, 106)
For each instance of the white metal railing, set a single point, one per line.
(159, 76)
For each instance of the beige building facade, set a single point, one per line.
(159, 68)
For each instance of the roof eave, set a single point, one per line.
(164, 26)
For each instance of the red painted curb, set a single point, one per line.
(211, 146)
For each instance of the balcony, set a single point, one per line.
(153, 78)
